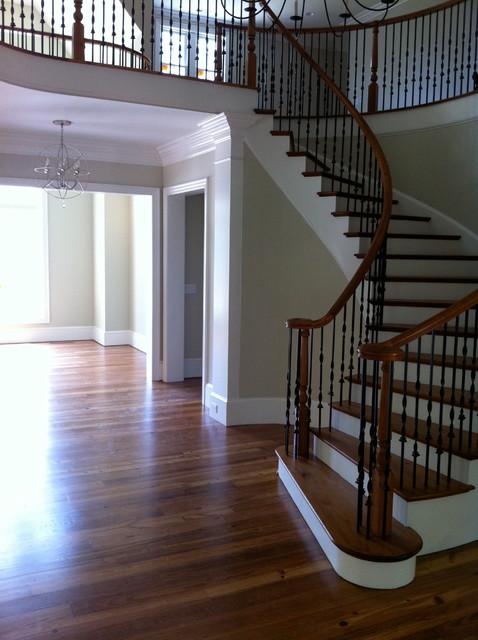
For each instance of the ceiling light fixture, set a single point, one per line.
(64, 169)
(255, 7)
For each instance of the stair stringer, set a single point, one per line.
(286, 172)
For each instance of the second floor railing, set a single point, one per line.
(417, 59)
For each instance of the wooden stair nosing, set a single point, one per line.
(428, 304)
(428, 279)
(365, 214)
(334, 501)
(348, 446)
(450, 397)
(425, 256)
(451, 331)
(404, 236)
(467, 453)
(265, 112)
(353, 196)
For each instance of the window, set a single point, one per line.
(185, 53)
(23, 256)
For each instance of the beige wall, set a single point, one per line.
(287, 272)
(438, 166)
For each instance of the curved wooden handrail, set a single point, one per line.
(145, 61)
(377, 241)
(391, 349)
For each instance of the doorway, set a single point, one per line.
(185, 282)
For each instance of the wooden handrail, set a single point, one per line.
(391, 349)
(146, 62)
(377, 241)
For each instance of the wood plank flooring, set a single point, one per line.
(126, 513)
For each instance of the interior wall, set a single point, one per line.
(194, 275)
(287, 272)
(438, 166)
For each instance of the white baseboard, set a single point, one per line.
(65, 334)
(245, 410)
(45, 334)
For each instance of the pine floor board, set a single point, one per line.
(127, 513)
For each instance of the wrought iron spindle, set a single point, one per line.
(428, 436)
(320, 398)
(361, 452)
(288, 393)
(451, 432)
(472, 400)
(403, 417)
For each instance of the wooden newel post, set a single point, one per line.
(251, 48)
(372, 106)
(382, 493)
(78, 33)
(303, 408)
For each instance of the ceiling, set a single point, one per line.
(129, 132)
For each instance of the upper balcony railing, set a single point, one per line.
(417, 59)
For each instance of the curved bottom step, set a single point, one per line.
(328, 505)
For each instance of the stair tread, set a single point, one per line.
(348, 446)
(364, 214)
(334, 501)
(405, 236)
(468, 453)
(430, 279)
(399, 327)
(424, 256)
(435, 392)
(435, 304)
(355, 196)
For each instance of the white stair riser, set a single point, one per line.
(463, 470)
(457, 516)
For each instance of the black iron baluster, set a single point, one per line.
(113, 34)
(22, 23)
(296, 397)
(152, 39)
(428, 65)
(463, 47)
(288, 403)
(52, 32)
(384, 65)
(414, 63)
(462, 403)
(180, 42)
(123, 32)
(399, 70)
(442, 57)
(440, 451)
(422, 48)
(449, 67)
(332, 374)
(451, 432)
(373, 433)
(352, 350)
(355, 94)
(403, 431)
(309, 388)
(388, 456)
(472, 400)
(133, 25)
(361, 451)
(436, 64)
(342, 356)
(416, 453)
(428, 436)
(320, 399)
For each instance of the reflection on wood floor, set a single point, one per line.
(126, 513)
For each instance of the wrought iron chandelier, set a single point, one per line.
(64, 169)
(351, 9)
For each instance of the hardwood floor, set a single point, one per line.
(128, 514)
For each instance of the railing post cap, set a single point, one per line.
(382, 352)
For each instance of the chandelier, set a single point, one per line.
(351, 10)
(64, 169)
